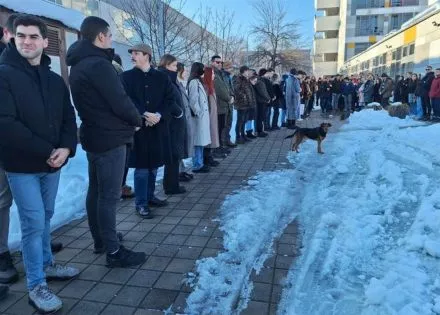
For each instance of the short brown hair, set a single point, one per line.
(166, 60)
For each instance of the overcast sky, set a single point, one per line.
(301, 10)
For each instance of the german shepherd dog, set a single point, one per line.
(318, 134)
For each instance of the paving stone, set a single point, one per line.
(77, 289)
(171, 220)
(175, 239)
(169, 281)
(80, 243)
(287, 238)
(280, 276)
(86, 256)
(179, 304)
(144, 227)
(21, 307)
(68, 305)
(154, 237)
(273, 309)
(146, 248)
(215, 242)
(163, 228)
(256, 308)
(195, 240)
(156, 263)
(87, 308)
(119, 275)
(166, 250)
(179, 265)
(209, 252)
(94, 273)
(261, 292)
(141, 311)
(287, 249)
(118, 310)
(189, 252)
(183, 229)
(102, 292)
(11, 299)
(144, 278)
(277, 290)
(125, 226)
(134, 236)
(67, 254)
(265, 275)
(130, 296)
(159, 299)
(284, 262)
(76, 232)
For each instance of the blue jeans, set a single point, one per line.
(144, 185)
(435, 107)
(419, 108)
(197, 158)
(35, 196)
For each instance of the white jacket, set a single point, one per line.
(198, 102)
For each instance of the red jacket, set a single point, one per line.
(434, 92)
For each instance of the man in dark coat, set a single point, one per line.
(152, 93)
(426, 85)
(37, 136)
(109, 119)
(263, 100)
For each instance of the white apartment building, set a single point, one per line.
(345, 28)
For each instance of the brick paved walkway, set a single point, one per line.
(180, 234)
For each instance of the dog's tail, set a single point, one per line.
(293, 134)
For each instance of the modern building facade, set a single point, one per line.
(345, 28)
(410, 49)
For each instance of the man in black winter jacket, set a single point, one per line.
(37, 136)
(109, 119)
(426, 84)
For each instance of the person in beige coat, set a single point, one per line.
(198, 103)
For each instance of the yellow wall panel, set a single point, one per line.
(372, 39)
(351, 45)
(410, 35)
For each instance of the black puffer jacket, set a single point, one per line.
(108, 115)
(36, 115)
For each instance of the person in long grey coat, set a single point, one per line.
(293, 99)
(198, 103)
(189, 131)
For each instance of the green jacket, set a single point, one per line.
(222, 93)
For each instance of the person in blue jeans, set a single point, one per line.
(37, 136)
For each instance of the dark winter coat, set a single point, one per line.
(419, 89)
(261, 94)
(427, 82)
(434, 92)
(412, 86)
(325, 90)
(36, 115)
(244, 99)
(2, 47)
(269, 87)
(386, 88)
(222, 92)
(153, 92)
(279, 96)
(108, 115)
(347, 88)
(336, 86)
(398, 91)
(177, 125)
(368, 92)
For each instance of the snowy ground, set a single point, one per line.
(370, 216)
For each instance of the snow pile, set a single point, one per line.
(68, 17)
(251, 219)
(371, 218)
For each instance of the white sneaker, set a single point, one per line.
(44, 300)
(60, 272)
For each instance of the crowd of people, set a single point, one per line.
(421, 93)
(140, 118)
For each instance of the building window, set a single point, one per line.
(411, 49)
(405, 51)
(360, 47)
(367, 25)
(399, 53)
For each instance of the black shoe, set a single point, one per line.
(250, 135)
(231, 145)
(225, 150)
(178, 191)
(144, 213)
(156, 202)
(8, 273)
(240, 140)
(125, 258)
(213, 163)
(203, 169)
(183, 178)
(219, 155)
(262, 134)
(3, 291)
(56, 247)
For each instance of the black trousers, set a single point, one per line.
(276, 114)
(221, 128)
(171, 176)
(426, 105)
(242, 118)
(261, 116)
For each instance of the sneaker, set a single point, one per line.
(60, 272)
(125, 258)
(156, 202)
(3, 291)
(56, 247)
(144, 212)
(44, 300)
(8, 273)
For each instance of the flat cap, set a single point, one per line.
(142, 48)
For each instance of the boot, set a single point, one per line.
(250, 134)
(8, 273)
(290, 124)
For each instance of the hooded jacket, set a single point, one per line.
(36, 115)
(434, 92)
(108, 115)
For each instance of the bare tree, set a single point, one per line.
(160, 24)
(273, 32)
